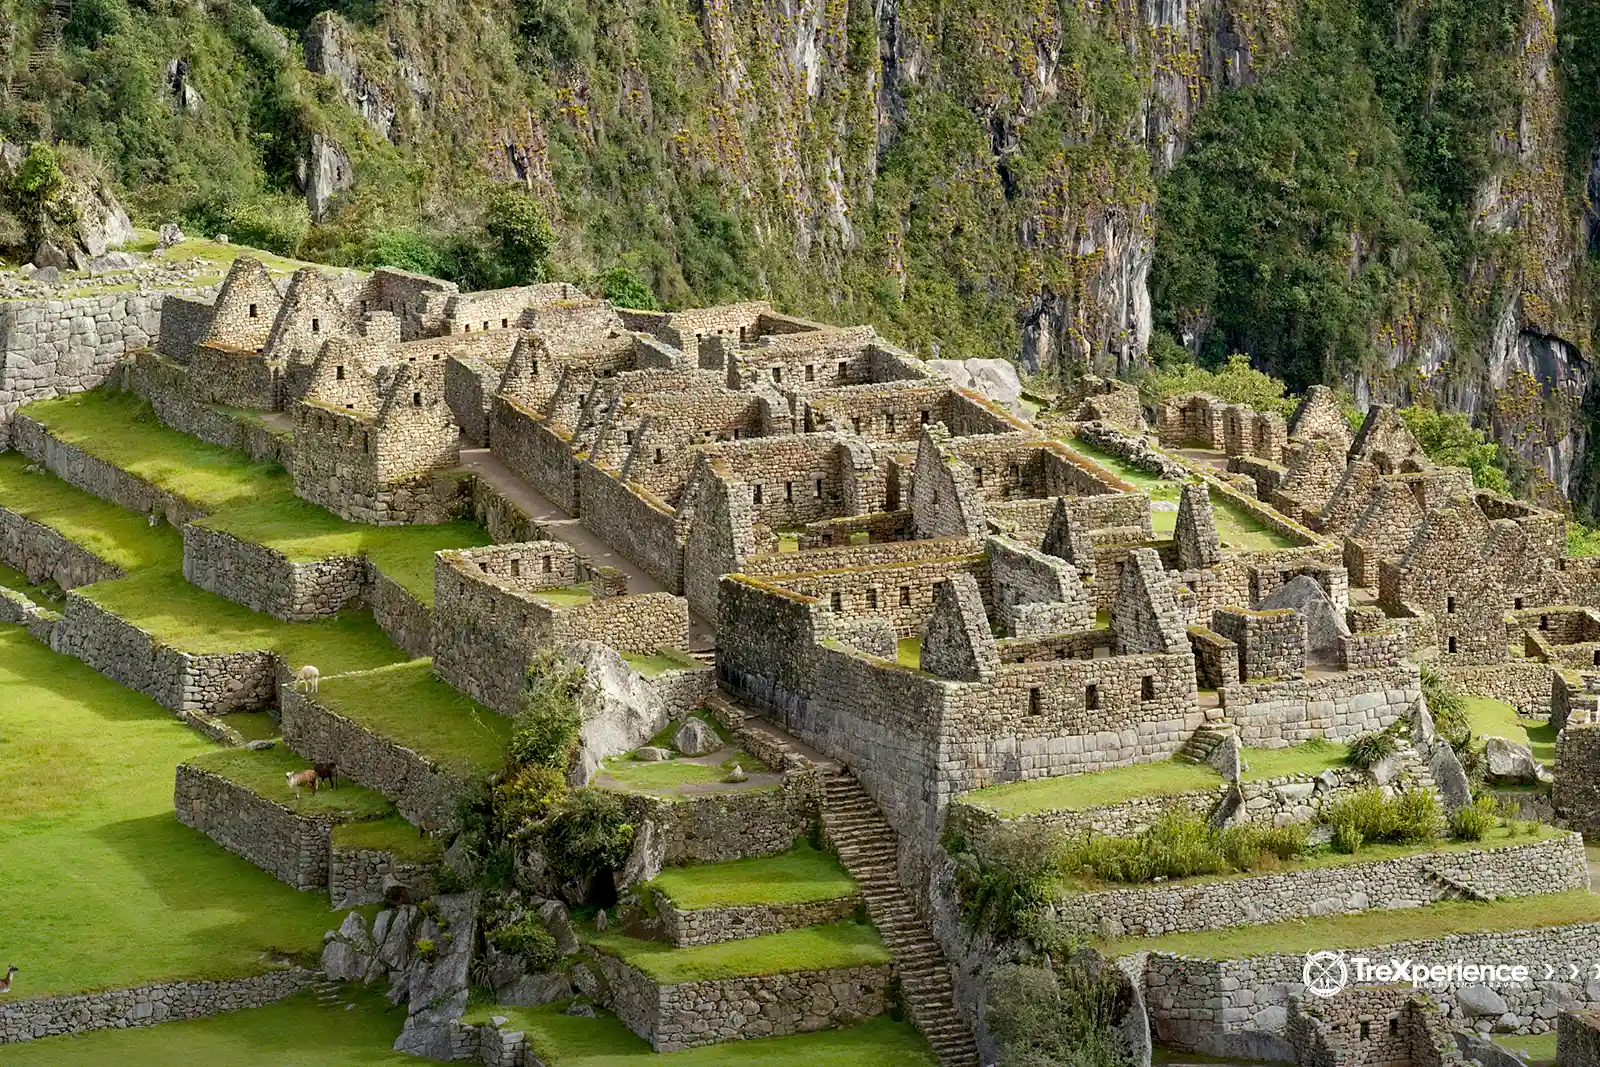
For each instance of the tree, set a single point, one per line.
(623, 288)
(519, 234)
(1447, 437)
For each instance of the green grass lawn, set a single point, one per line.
(302, 532)
(253, 725)
(1495, 718)
(565, 596)
(190, 619)
(392, 835)
(562, 1040)
(799, 876)
(119, 537)
(664, 776)
(405, 703)
(811, 948)
(664, 660)
(13, 579)
(1238, 529)
(1079, 792)
(100, 886)
(263, 774)
(121, 429)
(1155, 486)
(297, 1032)
(908, 652)
(1309, 758)
(1373, 928)
(1535, 1048)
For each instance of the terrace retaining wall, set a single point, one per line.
(421, 789)
(44, 555)
(358, 876)
(1551, 866)
(690, 1014)
(27, 1020)
(710, 926)
(211, 683)
(96, 476)
(407, 620)
(1336, 707)
(289, 844)
(717, 827)
(266, 581)
(1238, 1007)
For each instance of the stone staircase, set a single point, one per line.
(1452, 889)
(1204, 741)
(48, 39)
(867, 848)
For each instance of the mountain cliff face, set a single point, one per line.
(1394, 195)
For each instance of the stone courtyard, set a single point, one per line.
(837, 607)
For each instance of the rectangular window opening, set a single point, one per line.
(837, 600)
(1091, 697)
(1147, 687)
(1035, 704)
(905, 596)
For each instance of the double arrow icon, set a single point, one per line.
(1549, 972)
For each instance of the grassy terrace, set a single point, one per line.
(405, 703)
(188, 618)
(664, 660)
(568, 1041)
(1307, 759)
(119, 537)
(392, 835)
(1080, 792)
(15, 580)
(253, 501)
(665, 776)
(1372, 928)
(297, 1031)
(812, 948)
(799, 876)
(1495, 718)
(120, 429)
(302, 532)
(263, 774)
(100, 886)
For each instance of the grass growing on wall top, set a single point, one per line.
(302, 532)
(393, 835)
(262, 772)
(562, 1040)
(188, 618)
(405, 703)
(298, 1031)
(1373, 928)
(100, 886)
(119, 537)
(662, 661)
(811, 948)
(121, 429)
(667, 777)
(799, 876)
(1080, 792)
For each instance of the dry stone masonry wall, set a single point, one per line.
(290, 845)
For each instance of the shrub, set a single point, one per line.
(425, 948)
(1180, 845)
(530, 940)
(1445, 703)
(403, 249)
(520, 235)
(1473, 822)
(1368, 750)
(589, 834)
(1045, 1017)
(1369, 816)
(528, 796)
(1006, 886)
(623, 288)
(547, 727)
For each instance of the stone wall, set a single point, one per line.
(212, 684)
(167, 387)
(1409, 881)
(266, 581)
(1271, 644)
(1337, 706)
(691, 1014)
(50, 348)
(422, 790)
(97, 477)
(468, 386)
(710, 926)
(44, 555)
(358, 876)
(1577, 788)
(534, 452)
(27, 1020)
(407, 620)
(718, 827)
(1221, 1007)
(1124, 819)
(1578, 1039)
(1522, 683)
(640, 528)
(286, 843)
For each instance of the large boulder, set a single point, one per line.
(1509, 761)
(323, 174)
(696, 738)
(1479, 1001)
(619, 709)
(996, 379)
(1324, 624)
(436, 986)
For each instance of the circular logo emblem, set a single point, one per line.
(1325, 973)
